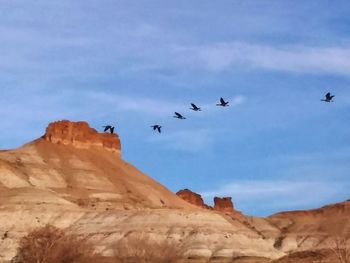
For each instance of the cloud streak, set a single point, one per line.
(298, 59)
(153, 106)
(273, 195)
(135, 104)
(186, 140)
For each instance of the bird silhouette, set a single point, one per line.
(179, 116)
(157, 127)
(222, 103)
(328, 97)
(109, 127)
(194, 107)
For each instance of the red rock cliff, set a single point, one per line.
(223, 204)
(81, 135)
(192, 198)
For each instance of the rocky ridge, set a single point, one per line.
(222, 205)
(81, 135)
(192, 198)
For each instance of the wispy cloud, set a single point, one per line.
(134, 104)
(301, 59)
(153, 106)
(185, 140)
(273, 195)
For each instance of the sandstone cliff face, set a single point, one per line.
(81, 135)
(223, 204)
(192, 198)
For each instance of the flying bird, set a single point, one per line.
(179, 116)
(157, 127)
(222, 103)
(328, 97)
(109, 127)
(194, 107)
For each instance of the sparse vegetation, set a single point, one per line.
(142, 249)
(341, 249)
(52, 245)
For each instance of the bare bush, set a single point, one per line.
(52, 245)
(141, 249)
(341, 249)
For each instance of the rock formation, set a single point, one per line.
(192, 198)
(76, 165)
(80, 135)
(223, 204)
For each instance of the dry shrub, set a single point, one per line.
(141, 249)
(52, 245)
(341, 249)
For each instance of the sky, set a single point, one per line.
(133, 63)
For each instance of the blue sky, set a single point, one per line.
(133, 63)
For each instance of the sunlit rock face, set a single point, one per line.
(193, 198)
(81, 135)
(223, 204)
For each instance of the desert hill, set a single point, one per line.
(74, 166)
(74, 177)
(311, 229)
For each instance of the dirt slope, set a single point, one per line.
(312, 229)
(74, 177)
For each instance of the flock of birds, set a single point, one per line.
(327, 98)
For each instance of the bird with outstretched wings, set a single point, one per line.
(222, 103)
(109, 127)
(328, 97)
(179, 116)
(194, 107)
(157, 128)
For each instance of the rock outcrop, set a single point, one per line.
(193, 198)
(223, 204)
(81, 135)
